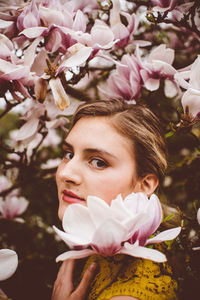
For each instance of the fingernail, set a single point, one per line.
(92, 267)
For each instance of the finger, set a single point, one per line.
(86, 280)
(68, 269)
(64, 280)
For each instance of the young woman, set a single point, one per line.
(112, 148)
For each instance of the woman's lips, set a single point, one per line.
(70, 197)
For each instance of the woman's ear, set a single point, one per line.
(148, 184)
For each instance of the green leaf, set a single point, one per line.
(168, 134)
(168, 218)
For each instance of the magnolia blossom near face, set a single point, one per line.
(123, 227)
(97, 161)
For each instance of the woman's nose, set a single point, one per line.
(70, 171)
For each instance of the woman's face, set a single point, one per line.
(98, 161)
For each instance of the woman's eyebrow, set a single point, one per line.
(65, 144)
(91, 150)
(99, 151)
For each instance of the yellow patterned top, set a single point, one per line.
(129, 276)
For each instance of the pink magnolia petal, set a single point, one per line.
(16, 205)
(170, 88)
(11, 71)
(60, 97)
(99, 210)
(166, 235)
(119, 209)
(152, 84)
(79, 23)
(101, 34)
(135, 223)
(52, 16)
(8, 263)
(79, 56)
(34, 32)
(39, 63)
(77, 221)
(181, 77)
(75, 254)
(163, 68)
(195, 76)
(162, 53)
(147, 253)
(198, 216)
(191, 99)
(120, 31)
(154, 209)
(72, 240)
(30, 20)
(28, 129)
(108, 237)
(54, 41)
(136, 202)
(29, 53)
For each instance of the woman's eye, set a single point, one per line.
(68, 155)
(98, 163)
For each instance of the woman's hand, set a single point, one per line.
(64, 287)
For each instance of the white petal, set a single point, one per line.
(198, 215)
(143, 252)
(195, 74)
(60, 97)
(162, 54)
(34, 32)
(135, 223)
(8, 263)
(99, 210)
(29, 53)
(166, 235)
(28, 129)
(196, 248)
(75, 254)
(15, 205)
(191, 98)
(77, 221)
(119, 209)
(108, 237)
(79, 55)
(71, 240)
(170, 88)
(152, 84)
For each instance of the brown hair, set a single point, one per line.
(139, 125)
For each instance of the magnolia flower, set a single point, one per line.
(29, 17)
(125, 82)
(191, 98)
(12, 206)
(156, 66)
(36, 111)
(121, 32)
(8, 263)
(123, 227)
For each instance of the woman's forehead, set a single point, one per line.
(98, 132)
